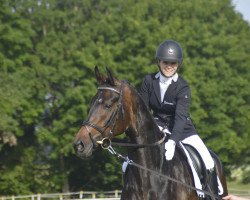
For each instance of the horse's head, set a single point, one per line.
(106, 117)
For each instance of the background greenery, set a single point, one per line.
(48, 49)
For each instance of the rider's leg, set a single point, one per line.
(198, 144)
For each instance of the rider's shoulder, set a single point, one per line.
(182, 81)
(150, 77)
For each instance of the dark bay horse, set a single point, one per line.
(118, 108)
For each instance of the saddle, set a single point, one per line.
(198, 164)
(200, 167)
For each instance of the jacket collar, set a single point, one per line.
(156, 85)
(165, 79)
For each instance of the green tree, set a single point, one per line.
(48, 50)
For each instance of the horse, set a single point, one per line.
(118, 108)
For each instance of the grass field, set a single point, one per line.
(242, 190)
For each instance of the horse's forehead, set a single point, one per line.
(107, 94)
(120, 89)
(109, 89)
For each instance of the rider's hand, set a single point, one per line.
(164, 130)
(170, 149)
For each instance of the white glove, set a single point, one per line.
(164, 130)
(170, 148)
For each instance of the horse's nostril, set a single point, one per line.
(79, 146)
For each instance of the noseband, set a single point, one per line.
(110, 122)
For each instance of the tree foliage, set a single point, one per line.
(48, 50)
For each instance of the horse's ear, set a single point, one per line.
(99, 76)
(110, 77)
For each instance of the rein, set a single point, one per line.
(121, 144)
(131, 162)
(106, 143)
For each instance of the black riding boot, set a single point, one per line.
(212, 182)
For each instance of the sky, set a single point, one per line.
(243, 6)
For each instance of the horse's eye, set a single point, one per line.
(108, 106)
(100, 101)
(116, 98)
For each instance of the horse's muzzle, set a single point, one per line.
(78, 146)
(82, 150)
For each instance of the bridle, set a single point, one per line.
(106, 137)
(110, 122)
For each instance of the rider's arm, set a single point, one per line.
(181, 112)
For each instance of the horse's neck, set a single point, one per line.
(144, 127)
(145, 131)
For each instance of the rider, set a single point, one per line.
(168, 96)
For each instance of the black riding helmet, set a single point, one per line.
(170, 51)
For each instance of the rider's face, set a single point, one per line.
(168, 68)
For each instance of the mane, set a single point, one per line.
(139, 98)
(143, 107)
